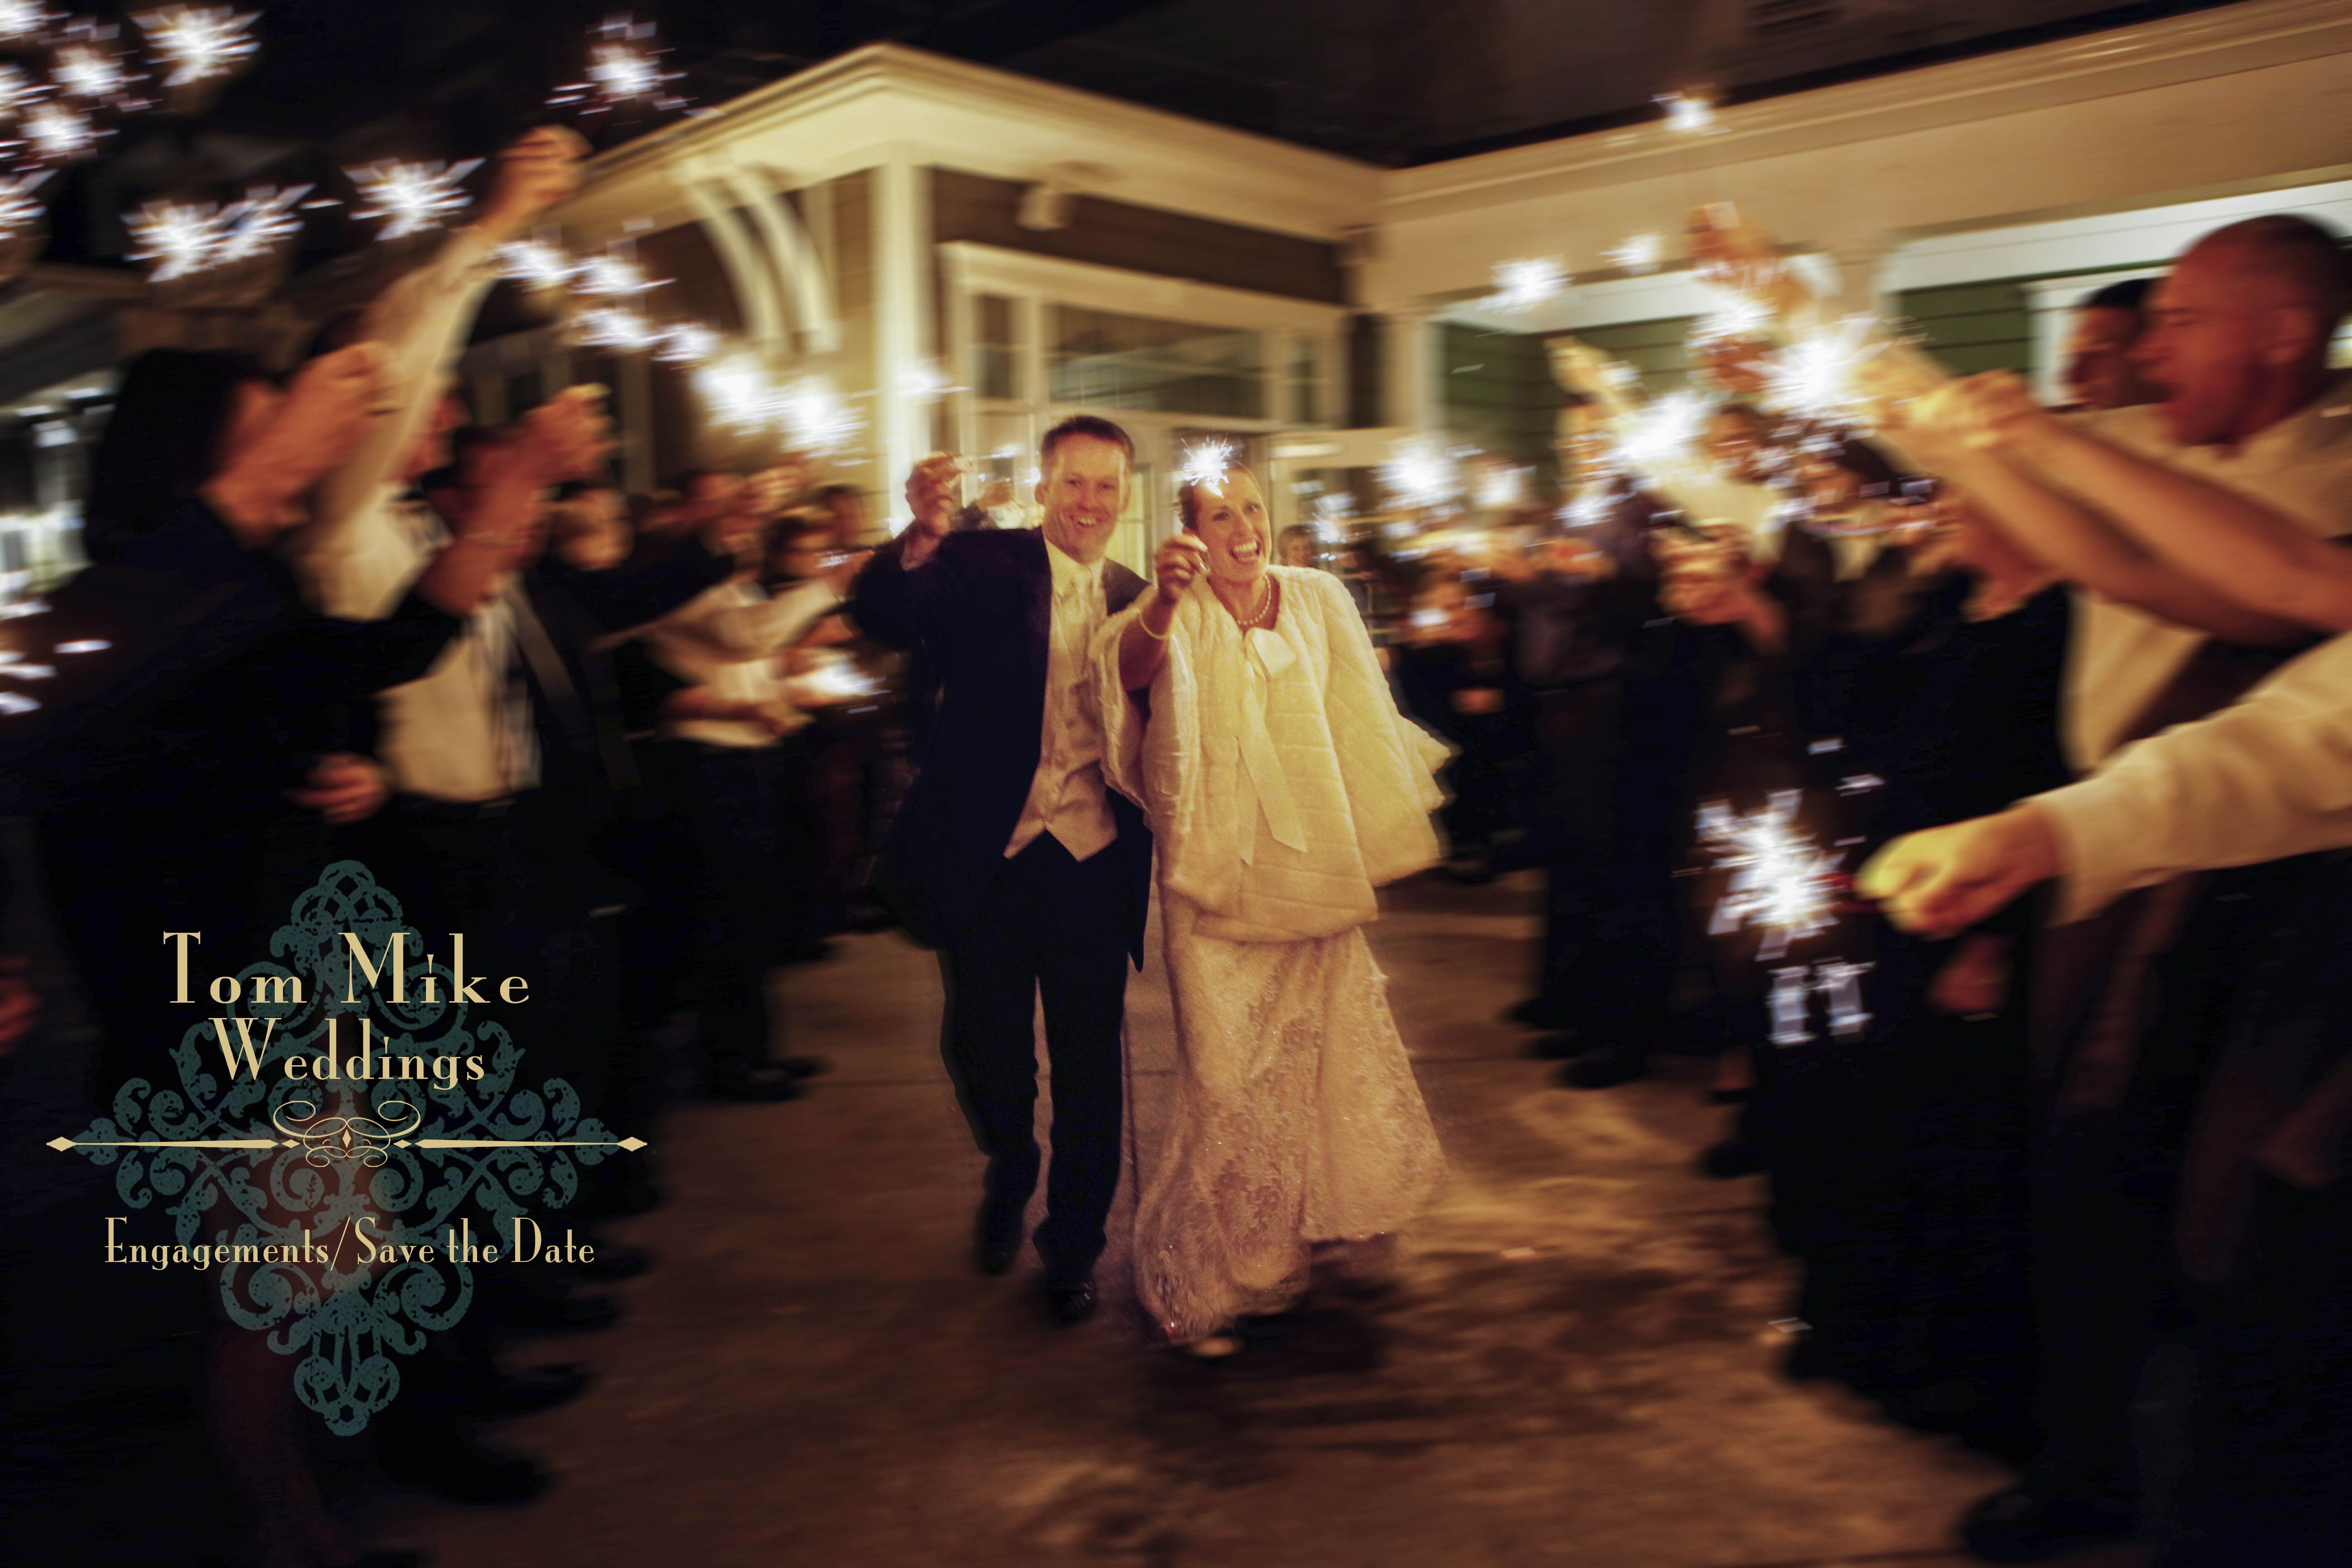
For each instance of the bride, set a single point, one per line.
(1244, 711)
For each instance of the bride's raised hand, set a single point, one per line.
(1175, 563)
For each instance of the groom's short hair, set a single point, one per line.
(1088, 425)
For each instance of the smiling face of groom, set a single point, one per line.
(1084, 493)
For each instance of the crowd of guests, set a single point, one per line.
(2063, 1169)
(342, 623)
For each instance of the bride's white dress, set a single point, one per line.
(1283, 786)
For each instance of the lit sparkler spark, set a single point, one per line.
(411, 198)
(617, 327)
(1502, 486)
(1420, 474)
(1781, 880)
(89, 71)
(184, 238)
(18, 211)
(23, 20)
(614, 278)
(817, 421)
(536, 264)
(59, 134)
(1593, 505)
(17, 92)
(1688, 111)
(1729, 318)
(622, 71)
(1664, 433)
(737, 394)
(925, 383)
(1643, 252)
(1205, 463)
(1525, 284)
(198, 43)
(686, 343)
(1815, 378)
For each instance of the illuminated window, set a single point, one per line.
(1102, 360)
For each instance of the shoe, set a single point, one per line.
(2016, 1526)
(1605, 1069)
(1556, 1048)
(996, 1242)
(803, 1067)
(1535, 1013)
(767, 1082)
(446, 1459)
(1732, 1158)
(526, 1392)
(1071, 1300)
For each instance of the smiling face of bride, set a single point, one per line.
(1230, 519)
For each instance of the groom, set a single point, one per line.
(1010, 855)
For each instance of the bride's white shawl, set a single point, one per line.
(1281, 783)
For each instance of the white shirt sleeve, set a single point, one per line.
(354, 556)
(757, 628)
(2265, 778)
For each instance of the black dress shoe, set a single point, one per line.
(1535, 1013)
(447, 1458)
(1071, 1300)
(759, 1083)
(525, 1392)
(2016, 1526)
(1556, 1048)
(996, 1239)
(1605, 1069)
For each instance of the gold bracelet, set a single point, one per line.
(1144, 620)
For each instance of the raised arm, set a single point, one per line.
(1952, 433)
(2231, 543)
(421, 320)
(1143, 647)
(894, 593)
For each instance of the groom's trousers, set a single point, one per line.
(1055, 928)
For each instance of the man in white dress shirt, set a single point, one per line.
(1010, 855)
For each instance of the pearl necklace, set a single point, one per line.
(1264, 608)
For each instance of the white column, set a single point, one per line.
(1412, 399)
(902, 314)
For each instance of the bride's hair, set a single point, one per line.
(1188, 496)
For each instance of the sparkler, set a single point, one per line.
(617, 327)
(411, 198)
(815, 419)
(537, 265)
(924, 383)
(1781, 880)
(198, 43)
(18, 212)
(60, 133)
(1730, 317)
(1502, 487)
(686, 343)
(1816, 377)
(17, 92)
(1690, 110)
(185, 238)
(1664, 435)
(1643, 252)
(737, 394)
(1205, 463)
(22, 19)
(1421, 474)
(614, 278)
(1525, 284)
(88, 70)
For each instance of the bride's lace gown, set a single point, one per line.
(1282, 786)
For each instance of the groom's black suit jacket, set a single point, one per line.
(982, 608)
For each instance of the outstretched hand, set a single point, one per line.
(536, 171)
(324, 413)
(1940, 882)
(1992, 409)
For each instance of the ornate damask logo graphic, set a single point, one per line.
(337, 1132)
